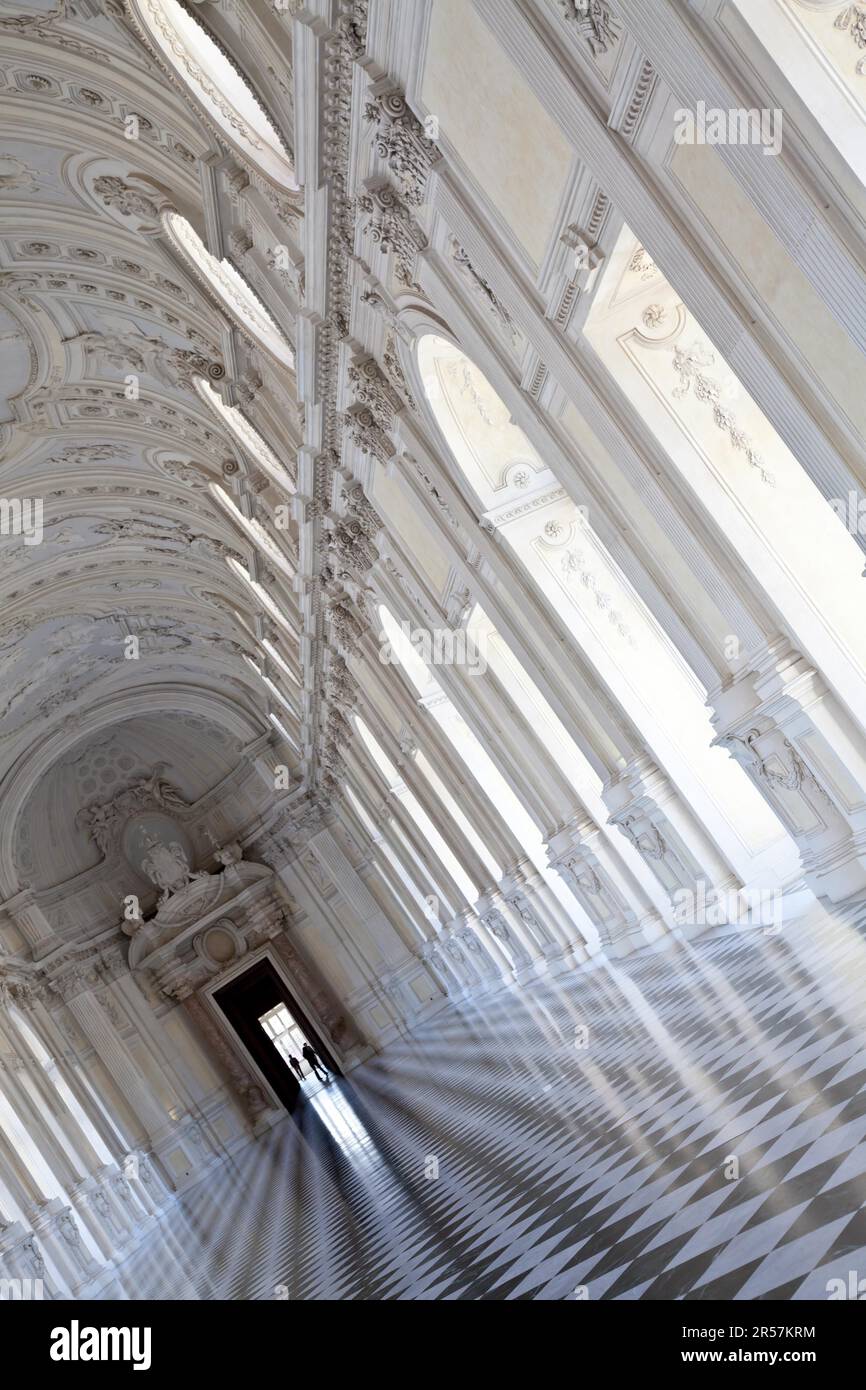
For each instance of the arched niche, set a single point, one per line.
(226, 712)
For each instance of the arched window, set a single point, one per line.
(518, 496)
(238, 299)
(261, 594)
(800, 550)
(217, 85)
(416, 811)
(255, 532)
(246, 435)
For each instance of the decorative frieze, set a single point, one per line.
(480, 287)
(689, 364)
(372, 388)
(852, 19)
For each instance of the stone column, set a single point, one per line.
(402, 903)
(42, 1014)
(486, 957)
(612, 898)
(807, 758)
(55, 1107)
(72, 1175)
(379, 887)
(32, 923)
(426, 864)
(58, 1234)
(438, 967)
(664, 831)
(418, 884)
(350, 886)
(94, 1023)
(464, 972)
(13, 1067)
(403, 753)
(114, 1207)
(142, 1175)
(97, 1216)
(20, 1252)
(532, 902)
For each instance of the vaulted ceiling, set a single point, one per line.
(128, 604)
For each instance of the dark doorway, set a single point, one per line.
(248, 999)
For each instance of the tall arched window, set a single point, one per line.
(518, 496)
(246, 435)
(801, 552)
(255, 532)
(417, 812)
(216, 84)
(240, 302)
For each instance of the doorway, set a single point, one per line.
(269, 1020)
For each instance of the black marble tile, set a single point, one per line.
(543, 1190)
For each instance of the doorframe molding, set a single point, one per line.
(233, 972)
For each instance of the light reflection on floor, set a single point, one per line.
(582, 1130)
(333, 1105)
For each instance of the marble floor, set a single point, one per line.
(687, 1124)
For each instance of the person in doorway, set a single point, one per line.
(312, 1060)
(296, 1067)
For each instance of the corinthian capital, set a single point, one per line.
(403, 142)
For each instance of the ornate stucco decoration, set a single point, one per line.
(781, 767)
(192, 57)
(128, 200)
(177, 946)
(142, 353)
(853, 20)
(391, 226)
(648, 841)
(167, 866)
(34, 23)
(104, 822)
(594, 21)
(690, 364)
(401, 141)
(481, 288)
(372, 388)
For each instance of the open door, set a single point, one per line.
(249, 999)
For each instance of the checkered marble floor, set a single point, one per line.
(687, 1124)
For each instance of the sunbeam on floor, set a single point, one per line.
(688, 1124)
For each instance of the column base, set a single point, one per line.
(803, 753)
(838, 873)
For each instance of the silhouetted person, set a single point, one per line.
(296, 1066)
(312, 1060)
